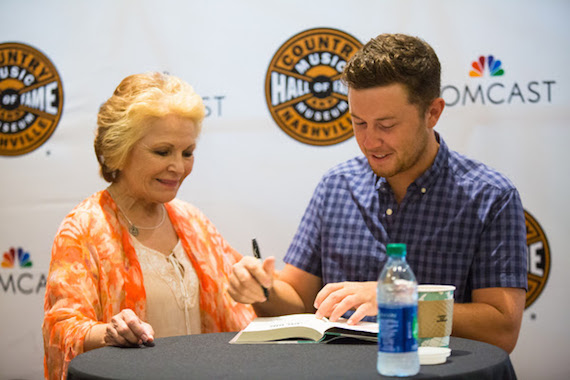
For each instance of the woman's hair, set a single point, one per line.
(122, 119)
(397, 58)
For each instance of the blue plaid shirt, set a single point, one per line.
(463, 224)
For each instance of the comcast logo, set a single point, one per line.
(496, 89)
(493, 65)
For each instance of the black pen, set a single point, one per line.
(258, 256)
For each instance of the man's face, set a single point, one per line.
(390, 131)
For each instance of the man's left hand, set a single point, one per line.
(335, 299)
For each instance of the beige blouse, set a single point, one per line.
(172, 291)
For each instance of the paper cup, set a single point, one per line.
(435, 315)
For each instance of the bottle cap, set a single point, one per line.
(396, 249)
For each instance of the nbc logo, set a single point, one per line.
(479, 67)
(494, 89)
(10, 258)
(23, 280)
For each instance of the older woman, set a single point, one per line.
(132, 263)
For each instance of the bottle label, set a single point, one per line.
(398, 328)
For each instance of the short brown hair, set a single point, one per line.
(121, 119)
(397, 58)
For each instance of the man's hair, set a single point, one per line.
(123, 118)
(397, 58)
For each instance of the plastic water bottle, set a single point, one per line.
(397, 316)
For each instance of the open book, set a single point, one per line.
(303, 328)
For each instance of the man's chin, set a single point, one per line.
(380, 172)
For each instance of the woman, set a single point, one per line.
(132, 263)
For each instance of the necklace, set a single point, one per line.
(134, 230)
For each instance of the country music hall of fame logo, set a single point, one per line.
(538, 259)
(31, 99)
(303, 87)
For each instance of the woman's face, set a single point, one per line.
(160, 160)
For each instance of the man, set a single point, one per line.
(463, 222)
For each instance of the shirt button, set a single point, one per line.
(423, 190)
(389, 212)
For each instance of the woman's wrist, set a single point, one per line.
(95, 337)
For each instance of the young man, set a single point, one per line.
(463, 222)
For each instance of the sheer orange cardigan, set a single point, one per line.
(94, 274)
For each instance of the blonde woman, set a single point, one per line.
(132, 263)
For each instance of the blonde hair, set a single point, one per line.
(121, 119)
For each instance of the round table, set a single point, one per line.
(210, 356)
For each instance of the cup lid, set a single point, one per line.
(433, 355)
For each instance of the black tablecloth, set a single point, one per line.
(210, 356)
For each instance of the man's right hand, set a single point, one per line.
(247, 278)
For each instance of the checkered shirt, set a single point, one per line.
(463, 224)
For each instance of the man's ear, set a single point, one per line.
(434, 111)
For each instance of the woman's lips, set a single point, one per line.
(169, 182)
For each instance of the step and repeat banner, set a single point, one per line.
(277, 119)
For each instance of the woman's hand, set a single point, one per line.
(247, 278)
(127, 330)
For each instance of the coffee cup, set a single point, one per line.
(435, 315)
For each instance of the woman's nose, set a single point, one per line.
(177, 164)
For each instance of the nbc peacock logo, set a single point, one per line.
(9, 258)
(494, 67)
(17, 276)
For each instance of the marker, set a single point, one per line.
(258, 256)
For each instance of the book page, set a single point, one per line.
(307, 320)
(288, 321)
(371, 327)
(303, 327)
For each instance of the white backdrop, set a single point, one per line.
(250, 178)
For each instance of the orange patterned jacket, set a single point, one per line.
(94, 274)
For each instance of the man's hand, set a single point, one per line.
(127, 330)
(248, 276)
(335, 299)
